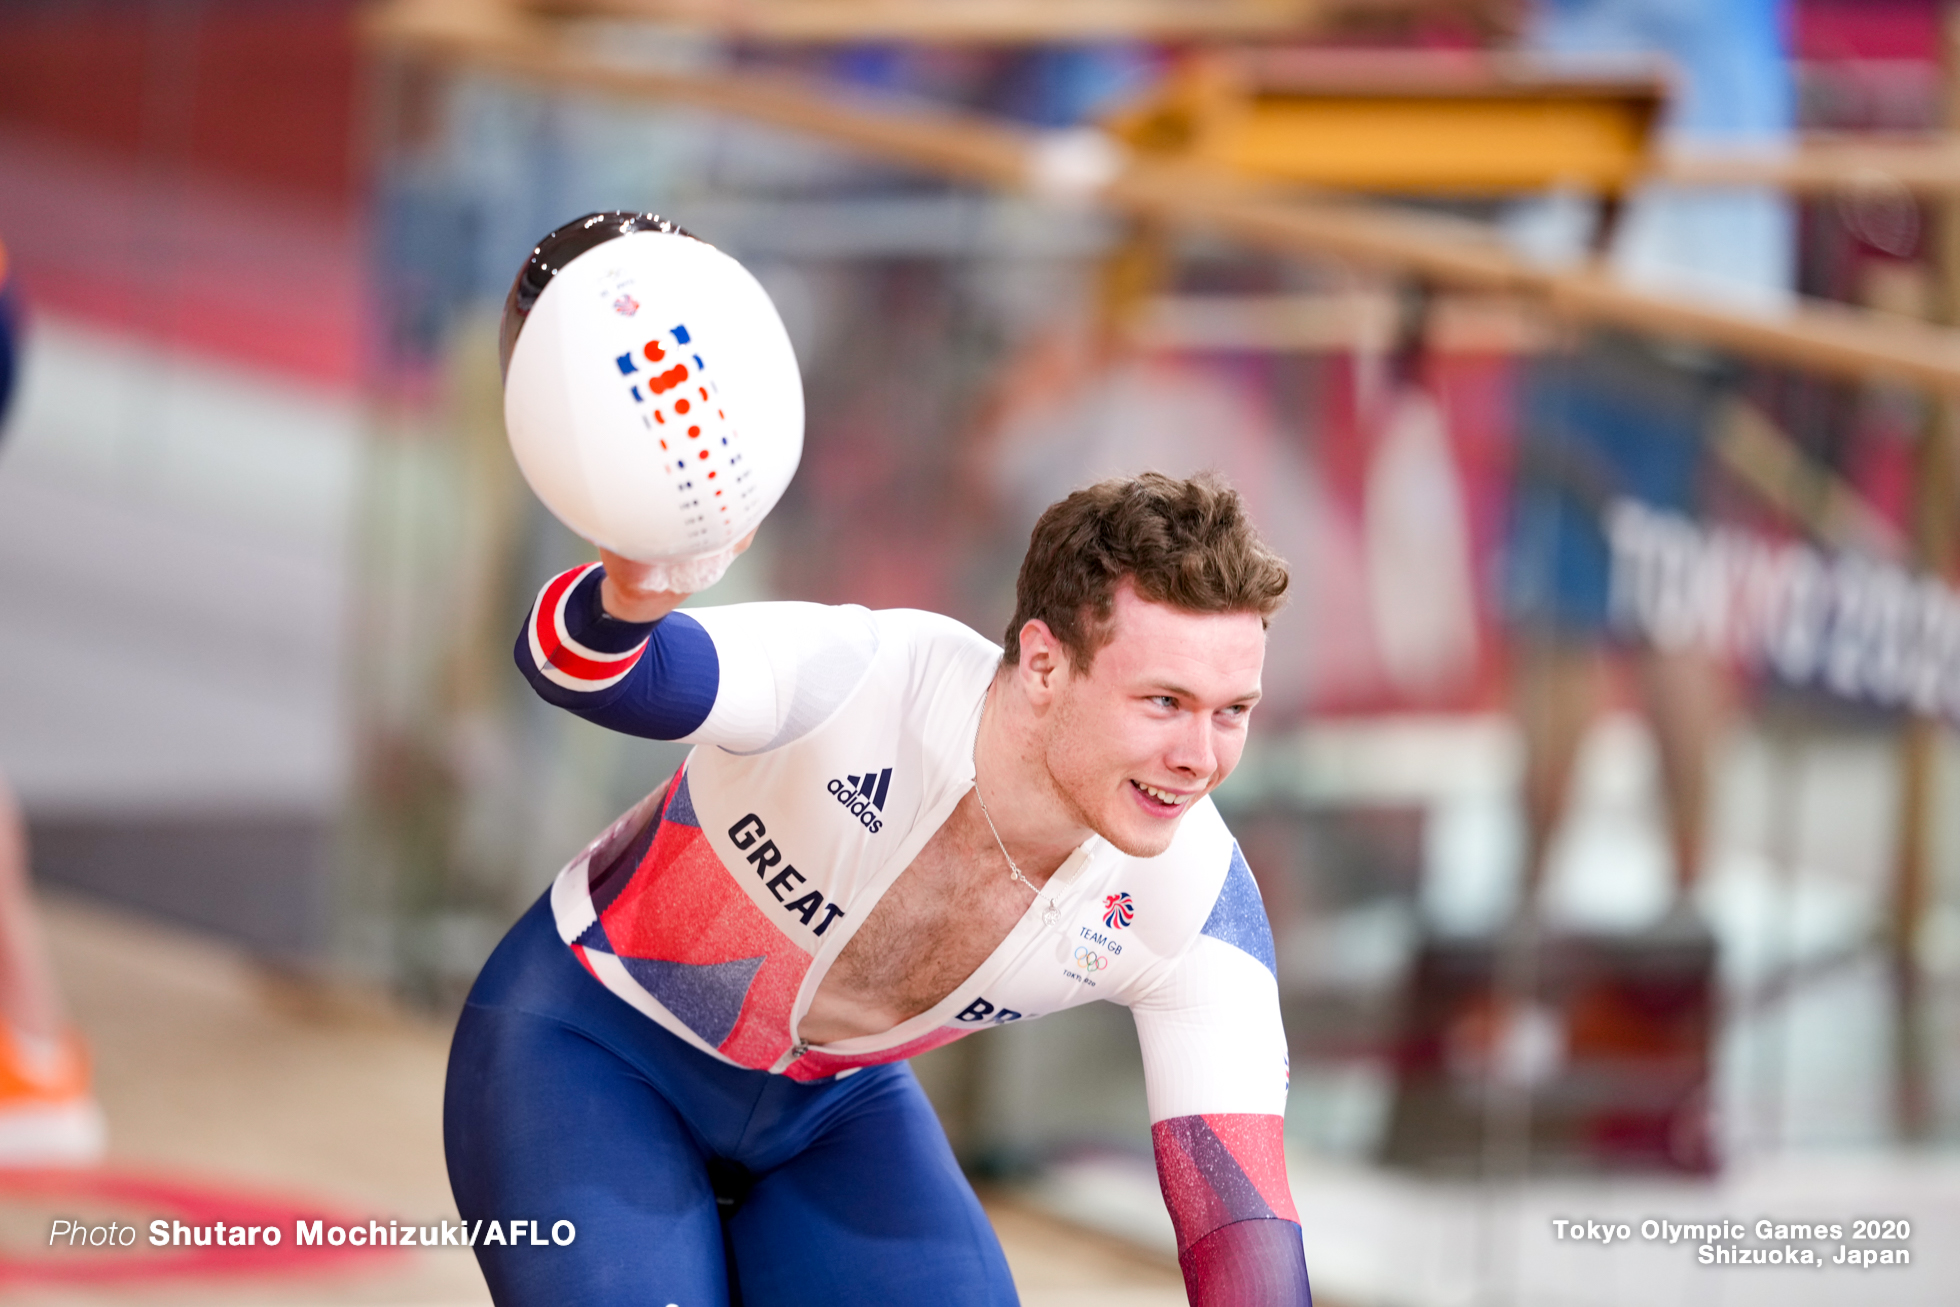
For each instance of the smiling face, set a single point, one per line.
(1157, 721)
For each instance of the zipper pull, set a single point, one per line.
(798, 1049)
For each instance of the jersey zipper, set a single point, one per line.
(782, 1063)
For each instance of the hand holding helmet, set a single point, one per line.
(644, 592)
(651, 397)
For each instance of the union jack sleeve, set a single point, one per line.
(1221, 1173)
(653, 679)
(1247, 1264)
(567, 608)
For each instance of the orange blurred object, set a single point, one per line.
(48, 1112)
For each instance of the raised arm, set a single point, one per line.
(1214, 1056)
(746, 677)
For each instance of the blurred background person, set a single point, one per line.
(47, 1111)
(1625, 417)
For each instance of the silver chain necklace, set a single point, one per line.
(1053, 912)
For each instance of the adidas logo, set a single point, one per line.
(864, 796)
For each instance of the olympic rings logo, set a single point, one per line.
(1090, 960)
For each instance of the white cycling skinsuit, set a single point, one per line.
(831, 744)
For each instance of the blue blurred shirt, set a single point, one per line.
(1734, 87)
(1735, 71)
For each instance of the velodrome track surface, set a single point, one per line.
(223, 1078)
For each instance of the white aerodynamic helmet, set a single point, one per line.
(650, 392)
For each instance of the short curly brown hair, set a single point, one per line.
(1186, 543)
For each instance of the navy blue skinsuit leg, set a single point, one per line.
(564, 1103)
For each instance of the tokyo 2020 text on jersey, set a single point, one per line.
(832, 743)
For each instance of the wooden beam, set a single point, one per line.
(1827, 337)
(1443, 74)
(980, 22)
(1025, 22)
(1927, 165)
(1336, 322)
(498, 39)
(1817, 334)
(1936, 538)
(1772, 465)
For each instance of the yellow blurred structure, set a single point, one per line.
(1402, 122)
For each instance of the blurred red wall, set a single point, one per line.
(255, 91)
(187, 171)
